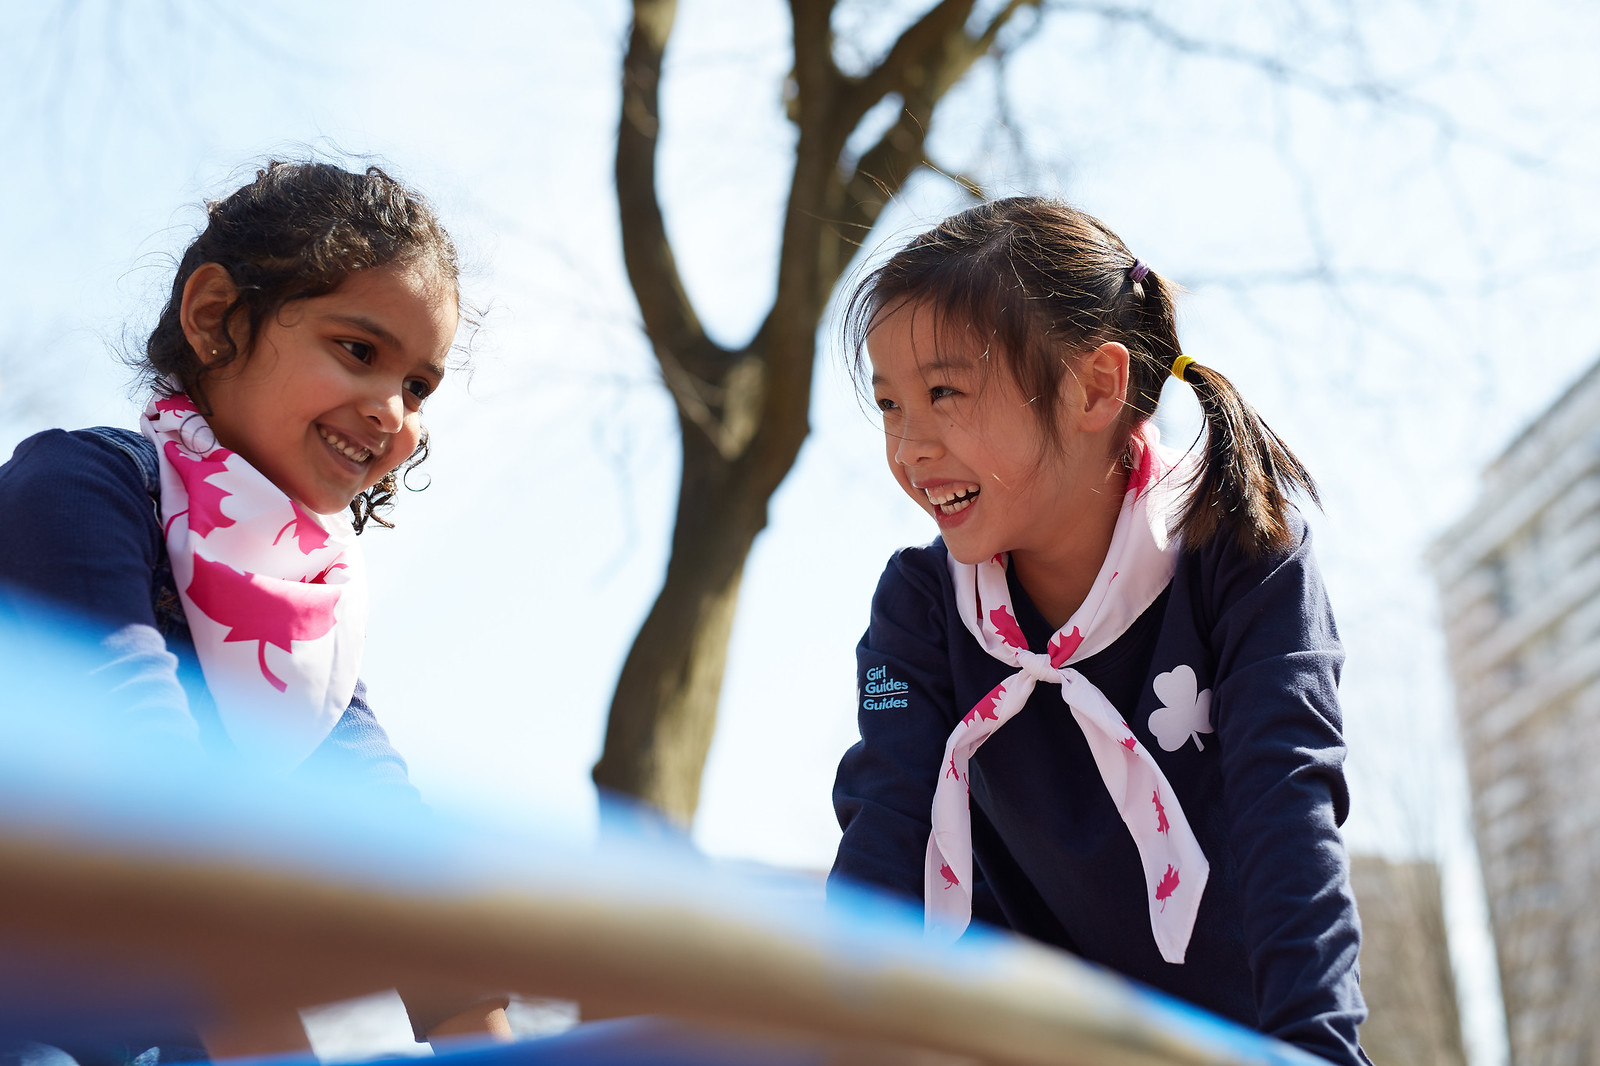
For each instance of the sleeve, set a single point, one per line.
(1279, 730)
(357, 754)
(883, 795)
(78, 547)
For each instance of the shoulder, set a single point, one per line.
(913, 604)
(63, 462)
(1229, 577)
(81, 527)
(81, 482)
(924, 569)
(914, 582)
(1271, 608)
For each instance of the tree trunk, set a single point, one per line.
(743, 415)
(663, 713)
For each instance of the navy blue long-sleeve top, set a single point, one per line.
(80, 532)
(1275, 942)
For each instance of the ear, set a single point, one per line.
(207, 295)
(1103, 376)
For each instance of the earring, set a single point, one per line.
(213, 353)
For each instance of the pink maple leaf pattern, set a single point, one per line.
(953, 772)
(1062, 647)
(950, 879)
(263, 609)
(985, 708)
(337, 564)
(999, 559)
(308, 532)
(1007, 627)
(1166, 887)
(1161, 813)
(1129, 742)
(176, 404)
(205, 499)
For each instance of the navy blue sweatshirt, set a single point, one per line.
(1275, 942)
(79, 531)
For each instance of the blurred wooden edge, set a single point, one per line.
(263, 940)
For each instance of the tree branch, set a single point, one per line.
(904, 68)
(1368, 90)
(929, 68)
(669, 317)
(928, 58)
(815, 75)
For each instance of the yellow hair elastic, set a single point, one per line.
(1180, 364)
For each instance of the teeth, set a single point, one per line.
(344, 447)
(943, 495)
(952, 500)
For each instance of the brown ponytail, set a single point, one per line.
(1046, 281)
(1248, 473)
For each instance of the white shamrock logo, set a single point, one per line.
(1183, 713)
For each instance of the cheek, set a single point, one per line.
(404, 443)
(903, 479)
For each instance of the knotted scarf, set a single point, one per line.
(1139, 565)
(275, 596)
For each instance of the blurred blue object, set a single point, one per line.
(144, 889)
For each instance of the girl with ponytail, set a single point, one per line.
(1100, 710)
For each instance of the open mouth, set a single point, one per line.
(953, 499)
(343, 447)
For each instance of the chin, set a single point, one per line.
(326, 505)
(966, 555)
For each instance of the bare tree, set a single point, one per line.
(743, 413)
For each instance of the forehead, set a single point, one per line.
(399, 284)
(402, 298)
(918, 339)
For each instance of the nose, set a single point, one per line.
(914, 446)
(385, 407)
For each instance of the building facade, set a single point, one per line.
(1519, 580)
(1405, 964)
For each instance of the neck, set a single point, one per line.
(1058, 573)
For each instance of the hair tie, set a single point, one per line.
(1140, 271)
(1180, 364)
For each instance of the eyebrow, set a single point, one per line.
(373, 327)
(948, 363)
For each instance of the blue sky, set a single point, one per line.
(1394, 256)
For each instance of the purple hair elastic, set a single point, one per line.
(1140, 271)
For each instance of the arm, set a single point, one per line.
(883, 795)
(1279, 729)
(79, 547)
(358, 754)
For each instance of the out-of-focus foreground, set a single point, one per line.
(159, 893)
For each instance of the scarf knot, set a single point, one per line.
(1038, 668)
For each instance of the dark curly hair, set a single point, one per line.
(297, 231)
(1047, 281)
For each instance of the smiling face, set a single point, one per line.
(965, 444)
(327, 399)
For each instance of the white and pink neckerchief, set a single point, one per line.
(275, 596)
(1138, 567)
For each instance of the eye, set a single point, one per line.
(359, 349)
(940, 392)
(886, 405)
(419, 388)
